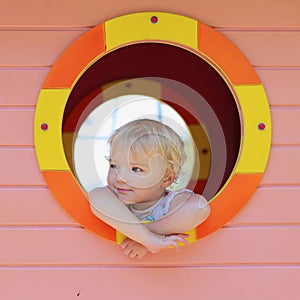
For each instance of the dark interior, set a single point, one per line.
(171, 62)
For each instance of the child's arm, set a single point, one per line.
(133, 249)
(186, 212)
(107, 207)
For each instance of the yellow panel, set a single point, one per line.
(192, 235)
(120, 237)
(138, 27)
(48, 143)
(256, 143)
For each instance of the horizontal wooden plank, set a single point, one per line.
(282, 86)
(31, 207)
(16, 126)
(259, 46)
(285, 126)
(34, 47)
(283, 167)
(215, 12)
(270, 205)
(34, 207)
(227, 246)
(20, 87)
(42, 48)
(19, 167)
(260, 283)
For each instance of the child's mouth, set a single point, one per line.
(121, 190)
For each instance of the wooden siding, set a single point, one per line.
(45, 254)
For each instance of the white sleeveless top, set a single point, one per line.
(159, 208)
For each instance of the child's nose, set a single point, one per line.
(122, 176)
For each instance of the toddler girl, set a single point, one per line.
(146, 157)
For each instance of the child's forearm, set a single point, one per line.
(184, 217)
(107, 207)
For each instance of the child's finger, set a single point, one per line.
(173, 240)
(125, 243)
(127, 250)
(180, 238)
(183, 235)
(170, 243)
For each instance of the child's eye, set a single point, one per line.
(137, 169)
(113, 166)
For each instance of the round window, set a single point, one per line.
(192, 76)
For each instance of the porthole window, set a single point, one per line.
(181, 63)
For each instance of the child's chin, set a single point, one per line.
(125, 200)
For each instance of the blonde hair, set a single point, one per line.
(151, 137)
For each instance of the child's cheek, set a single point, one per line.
(145, 181)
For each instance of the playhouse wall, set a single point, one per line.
(45, 254)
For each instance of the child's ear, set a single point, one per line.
(168, 179)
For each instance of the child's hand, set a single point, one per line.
(157, 242)
(133, 249)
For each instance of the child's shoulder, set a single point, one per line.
(183, 195)
(194, 205)
(99, 191)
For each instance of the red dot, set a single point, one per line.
(44, 126)
(261, 126)
(154, 19)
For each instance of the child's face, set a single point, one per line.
(139, 178)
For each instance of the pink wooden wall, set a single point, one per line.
(44, 254)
